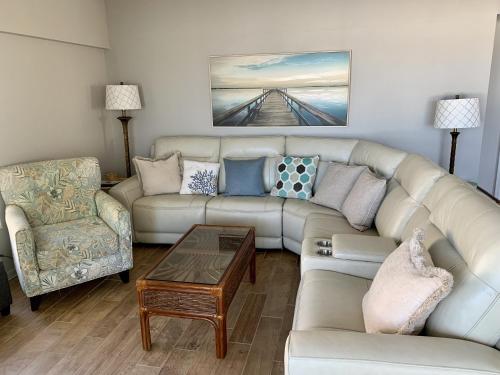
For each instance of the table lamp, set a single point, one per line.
(456, 114)
(123, 98)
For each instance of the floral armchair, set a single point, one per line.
(63, 229)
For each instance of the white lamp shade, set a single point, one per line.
(122, 97)
(457, 113)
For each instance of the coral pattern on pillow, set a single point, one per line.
(200, 178)
(296, 177)
(405, 290)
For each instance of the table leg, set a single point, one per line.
(220, 337)
(145, 332)
(253, 269)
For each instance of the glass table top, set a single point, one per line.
(202, 257)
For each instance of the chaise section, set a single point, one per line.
(165, 218)
(330, 300)
(264, 213)
(295, 213)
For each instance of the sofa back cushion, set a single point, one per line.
(380, 159)
(240, 148)
(191, 148)
(410, 184)
(329, 150)
(461, 233)
(53, 191)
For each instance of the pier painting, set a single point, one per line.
(299, 89)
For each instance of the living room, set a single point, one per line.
(235, 187)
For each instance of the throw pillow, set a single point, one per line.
(295, 177)
(199, 178)
(363, 201)
(405, 290)
(336, 185)
(244, 177)
(158, 176)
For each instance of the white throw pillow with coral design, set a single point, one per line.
(200, 178)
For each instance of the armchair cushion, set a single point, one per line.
(69, 243)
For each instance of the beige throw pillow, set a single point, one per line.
(336, 185)
(405, 290)
(363, 201)
(159, 176)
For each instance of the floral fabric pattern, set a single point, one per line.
(54, 191)
(71, 242)
(64, 229)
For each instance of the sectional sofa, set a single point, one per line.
(462, 336)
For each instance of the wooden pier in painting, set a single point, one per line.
(275, 107)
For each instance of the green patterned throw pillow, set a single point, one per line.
(295, 177)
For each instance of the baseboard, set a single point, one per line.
(488, 194)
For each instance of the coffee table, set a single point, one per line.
(197, 278)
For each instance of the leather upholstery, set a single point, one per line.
(324, 226)
(252, 147)
(381, 159)
(325, 352)
(295, 212)
(342, 308)
(362, 248)
(311, 260)
(264, 213)
(191, 147)
(169, 213)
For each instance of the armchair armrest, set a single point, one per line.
(353, 353)
(116, 216)
(127, 192)
(23, 250)
(362, 248)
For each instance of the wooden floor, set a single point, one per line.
(274, 111)
(93, 328)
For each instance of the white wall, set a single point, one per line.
(489, 168)
(405, 55)
(51, 92)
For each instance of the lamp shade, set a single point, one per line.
(457, 113)
(122, 97)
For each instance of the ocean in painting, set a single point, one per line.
(288, 89)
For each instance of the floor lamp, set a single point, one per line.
(123, 98)
(457, 114)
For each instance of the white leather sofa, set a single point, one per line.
(462, 336)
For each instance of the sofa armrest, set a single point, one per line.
(22, 242)
(362, 248)
(126, 192)
(353, 353)
(116, 216)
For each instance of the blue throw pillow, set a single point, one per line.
(244, 177)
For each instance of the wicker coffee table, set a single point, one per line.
(197, 278)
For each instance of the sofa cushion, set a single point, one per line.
(405, 290)
(162, 176)
(336, 185)
(295, 212)
(381, 159)
(71, 242)
(169, 213)
(264, 213)
(324, 226)
(295, 177)
(363, 201)
(199, 178)
(330, 300)
(244, 177)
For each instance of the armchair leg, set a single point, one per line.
(125, 276)
(5, 311)
(35, 302)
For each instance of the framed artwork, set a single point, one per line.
(286, 89)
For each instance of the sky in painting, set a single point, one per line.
(281, 70)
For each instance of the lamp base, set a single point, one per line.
(454, 135)
(124, 120)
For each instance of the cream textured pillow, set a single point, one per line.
(336, 185)
(159, 176)
(405, 290)
(200, 178)
(363, 201)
